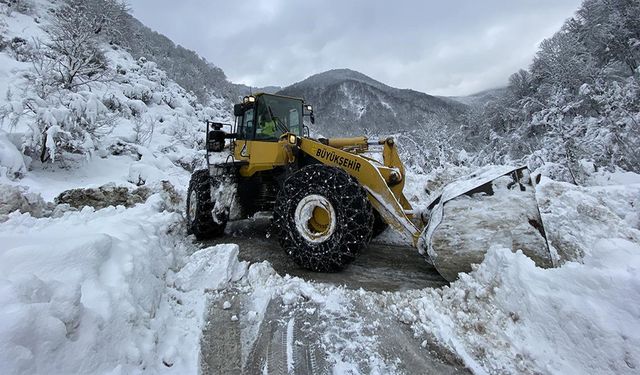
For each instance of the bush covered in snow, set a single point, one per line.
(82, 96)
(63, 114)
(21, 6)
(64, 123)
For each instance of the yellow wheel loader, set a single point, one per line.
(329, 197)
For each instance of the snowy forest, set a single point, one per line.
(102, 142)
(577, 105)
(72, 95)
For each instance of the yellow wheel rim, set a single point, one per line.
(315, 218)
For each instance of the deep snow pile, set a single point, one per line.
(85, 292)
(91, 291)
(509, 316)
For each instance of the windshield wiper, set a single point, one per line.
(282, 127)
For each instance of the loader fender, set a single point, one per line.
(381, 196)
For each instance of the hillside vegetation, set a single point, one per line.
(78, 84)
(577, 107)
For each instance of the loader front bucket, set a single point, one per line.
(495, 207)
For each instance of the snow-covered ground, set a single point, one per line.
(124, 290)
(87, 292)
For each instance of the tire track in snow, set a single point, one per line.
(290, 361)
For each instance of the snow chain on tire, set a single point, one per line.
(349, 203)
(200, 220)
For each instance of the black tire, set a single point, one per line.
(352, 211)
(200, 220)
(379, 225)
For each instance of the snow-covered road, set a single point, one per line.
(313, 337)
(304, 336)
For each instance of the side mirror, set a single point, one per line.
(238, 110)
(309, 109)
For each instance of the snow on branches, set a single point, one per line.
(579, 102)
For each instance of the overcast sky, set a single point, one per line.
(456, 47)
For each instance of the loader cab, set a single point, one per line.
(265, 117)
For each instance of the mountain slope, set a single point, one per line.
(479, 99)
(186, 67)
(349, 103)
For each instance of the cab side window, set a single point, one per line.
(294, 121)
(248, 125)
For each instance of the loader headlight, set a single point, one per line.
(293, 139)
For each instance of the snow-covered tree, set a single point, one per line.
(579, 101)
(73, 56)
(65, 116)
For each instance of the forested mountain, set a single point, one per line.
(479, 99)
(184, 66)
(350, 103)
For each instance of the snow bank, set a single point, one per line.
(85, 293)
(509, 316)
(102, 291)
(211, 268)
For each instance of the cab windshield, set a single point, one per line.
(276, 116)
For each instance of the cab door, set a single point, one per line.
(261, 154)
